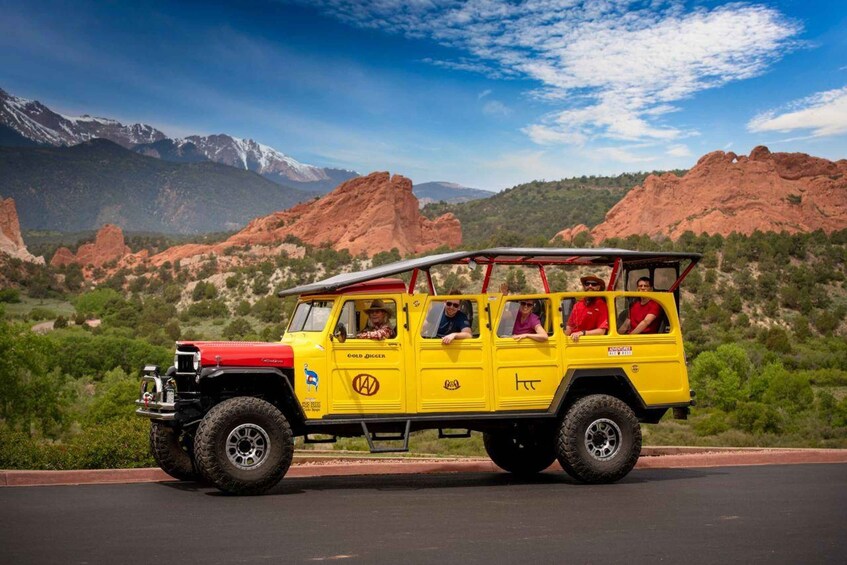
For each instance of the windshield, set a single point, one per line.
(310, 316)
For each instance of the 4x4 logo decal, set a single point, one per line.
(366, 385)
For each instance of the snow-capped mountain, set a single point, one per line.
(240, 153)
(36, 122)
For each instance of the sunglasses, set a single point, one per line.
(527, 303)
(451, 304)
(587, 284)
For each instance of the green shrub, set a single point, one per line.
(118, 443)
(96, 301)
(237, 329)
(713, 424)
(42, 314)
(10, 295)
(758, 418)
(788, 390)
(208, 309)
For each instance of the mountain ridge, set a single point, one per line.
(32, 120)
(98, 182)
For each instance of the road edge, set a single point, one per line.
(326, 464)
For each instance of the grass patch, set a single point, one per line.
(26, 305)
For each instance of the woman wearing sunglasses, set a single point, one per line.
(454, 324)
(527, 324)
(590, 316)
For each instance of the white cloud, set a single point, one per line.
(679, 151)
(483, 94)
(543, 135)
(824, 113)
(614, 67)
(496, 108)
(620, 155)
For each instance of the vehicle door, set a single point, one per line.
(590, 351)
(366, 375)
(653, 362)
(452, 377)
(526, 371)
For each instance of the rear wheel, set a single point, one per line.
(244, 445)
(173, 451)
(523, 451)
(599, 439)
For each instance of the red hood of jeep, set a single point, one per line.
(242, 353)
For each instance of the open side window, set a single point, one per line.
(512, 308)
(354, 315)
(631, 312)
(436, 323)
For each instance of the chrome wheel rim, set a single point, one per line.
(247, 446)
(602, 439)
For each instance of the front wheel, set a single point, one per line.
(599, 439)
(173, 451)
(522, 451)
(244, 445)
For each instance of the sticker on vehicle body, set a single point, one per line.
(365, 384)
(620, 351)
(528, 384)
(311, 377)
(311, 405)
(452, 385)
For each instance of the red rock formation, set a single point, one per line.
(11, 242)
(727, 193)
(568, 234)
(108, 246)
(62, 257)
(366, 214)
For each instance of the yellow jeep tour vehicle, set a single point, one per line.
(545, 376)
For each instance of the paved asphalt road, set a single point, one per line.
(773, 514)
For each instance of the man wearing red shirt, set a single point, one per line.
(644, 314)
(590, 316)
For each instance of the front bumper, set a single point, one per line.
(157, 397)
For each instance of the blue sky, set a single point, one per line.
(487, 94)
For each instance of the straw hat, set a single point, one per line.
(595, 279)
(378, 305)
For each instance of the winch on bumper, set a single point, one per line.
(157, 398)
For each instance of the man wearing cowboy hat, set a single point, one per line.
(378, 327)
(590, 316)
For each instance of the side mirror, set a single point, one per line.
(340, 333)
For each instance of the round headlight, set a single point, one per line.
(196, 360)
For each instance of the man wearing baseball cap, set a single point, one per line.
(590, 316)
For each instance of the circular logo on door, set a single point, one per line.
(365, 384)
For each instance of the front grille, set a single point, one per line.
(184, 361)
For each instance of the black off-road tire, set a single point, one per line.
(244, 445)
(173, 451)
(599, 439)
(522, 452)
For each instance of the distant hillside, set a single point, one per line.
(537, 209)
(451, 193)
(97, 182)
(11, 138)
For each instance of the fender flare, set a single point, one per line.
(562, 396)
(272, 372)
